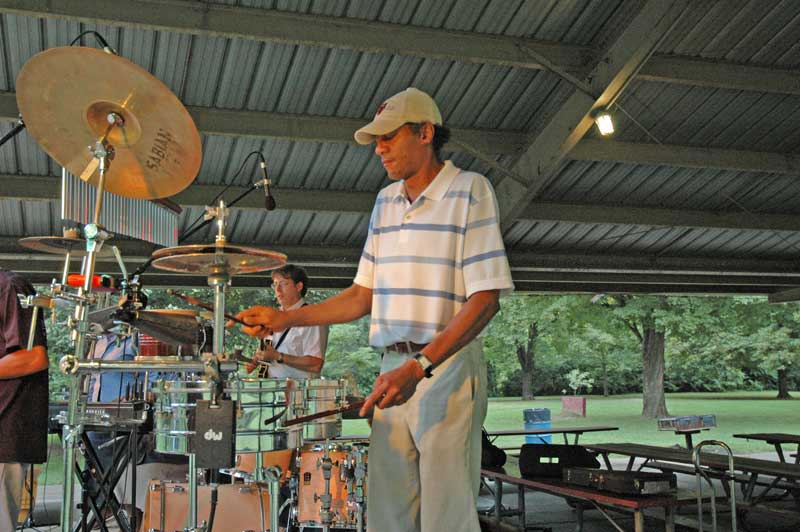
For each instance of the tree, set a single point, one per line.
(646, 317)
(525, 356)
(528, 326)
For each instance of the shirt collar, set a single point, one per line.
(300, 303)
(437, 188)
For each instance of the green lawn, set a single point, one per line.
(736, 412)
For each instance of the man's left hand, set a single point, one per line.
(394, 387)
(268, 354)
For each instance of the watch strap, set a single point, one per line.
(424, 363)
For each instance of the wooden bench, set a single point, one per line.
(670, 467)
(578, 497)
(749, 473)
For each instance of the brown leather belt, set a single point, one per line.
(405, 347)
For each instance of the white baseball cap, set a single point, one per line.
(412, 105)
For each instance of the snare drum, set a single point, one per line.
(311, 396)
(257, 400)
(347, 488)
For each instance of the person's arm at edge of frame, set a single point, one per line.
(350, 304)
(23, 362)
(397, 386)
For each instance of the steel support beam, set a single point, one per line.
(557, 282)
(785, 296)
(135, 252)
(201, 18)
(305, 128)
(610, 76)
(644, 289)
(36, 188)
(685, 156)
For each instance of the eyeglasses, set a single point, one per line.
(281, 284)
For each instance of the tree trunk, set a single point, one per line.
(525, 355)
(654, 402)
(527, 384)
(783, 385)
(605, 378)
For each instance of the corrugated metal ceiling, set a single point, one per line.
(218, 72)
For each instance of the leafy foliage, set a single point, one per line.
(712, 343)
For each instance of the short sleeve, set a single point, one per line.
(365, 276)
(315, 341)
(485, 264)
(12, 320)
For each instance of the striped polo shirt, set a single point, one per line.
(422, 260)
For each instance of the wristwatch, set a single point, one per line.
(425, 363)
(279, 360)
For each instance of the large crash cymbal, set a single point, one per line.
(208, 259)
(65, 96)
(61, 245)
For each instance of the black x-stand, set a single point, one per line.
(98, 483)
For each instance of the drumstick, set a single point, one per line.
(325, 413)
(197, 303)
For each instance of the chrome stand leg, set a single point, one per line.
(191, 519)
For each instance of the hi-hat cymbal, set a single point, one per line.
(207, 259)
(65, 96)
(61, 245)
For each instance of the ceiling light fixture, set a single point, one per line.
(604, 122)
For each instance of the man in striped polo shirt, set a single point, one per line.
(430, 276)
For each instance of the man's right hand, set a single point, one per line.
(261, 321)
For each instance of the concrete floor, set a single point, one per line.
(542, 510)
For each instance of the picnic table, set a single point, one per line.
(581, 498)
(565, 431)
(778, 440)
(782, 475)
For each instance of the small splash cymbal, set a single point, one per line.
(61, 245)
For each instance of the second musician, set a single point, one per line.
(297, 352)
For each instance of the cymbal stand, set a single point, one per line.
(18, 127)
(218, 279)
(95, 237)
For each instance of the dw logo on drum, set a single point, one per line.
(211, 435)
(215, 434)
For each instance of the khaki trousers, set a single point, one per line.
(425, 455)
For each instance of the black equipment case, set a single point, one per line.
(622, 482)
(549, 461)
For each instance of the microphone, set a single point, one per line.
(269, 201)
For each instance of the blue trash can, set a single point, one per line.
(537, 418)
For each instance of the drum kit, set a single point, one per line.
(143, 144)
